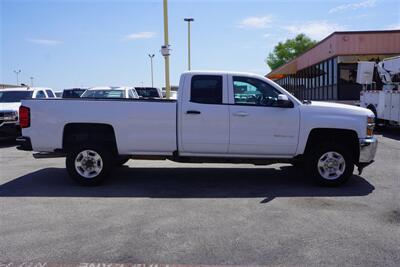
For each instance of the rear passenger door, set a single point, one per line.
(204, 115)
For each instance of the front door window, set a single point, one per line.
(250, 91)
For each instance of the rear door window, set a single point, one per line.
(206, 89)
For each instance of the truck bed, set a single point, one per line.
(140, 126)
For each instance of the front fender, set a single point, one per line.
(311, 121)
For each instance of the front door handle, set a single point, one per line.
(193, 112)
(241, 114)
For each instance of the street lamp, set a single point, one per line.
(188, 20)
(165, 50)
(31, 81)
(151, 64)
(17, 72)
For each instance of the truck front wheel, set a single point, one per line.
(330, 165)
(89, 165)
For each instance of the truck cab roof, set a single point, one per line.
(221, 72)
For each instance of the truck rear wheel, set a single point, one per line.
(89, 165)
(330, 165)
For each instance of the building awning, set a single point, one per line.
(283, 71)
(349, 45)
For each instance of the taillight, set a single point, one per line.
(24, 117)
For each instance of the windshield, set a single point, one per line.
(104, 94)
(14, 96)
(147, 92)
(72, 93)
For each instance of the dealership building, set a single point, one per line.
(328, 71)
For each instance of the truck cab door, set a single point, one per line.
(203, 115)
(259, 124)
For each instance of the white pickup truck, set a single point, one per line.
(218, 117)
(10, 101)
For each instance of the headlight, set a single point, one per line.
(370, 126)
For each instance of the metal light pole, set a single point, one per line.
(17, 72)
(188, 20)
(151, 64)
(165, 50)
(31, 81)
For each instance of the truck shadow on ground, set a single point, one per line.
(390, 132)
(7, 143)
(266, 183)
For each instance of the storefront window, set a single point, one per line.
(307, 79)
(335, 67)
(348, 73)
(330, 74)
(321, 74)
(325, 90)
(335, 92)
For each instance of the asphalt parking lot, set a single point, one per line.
(168, 213)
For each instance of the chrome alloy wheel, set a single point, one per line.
(331, 165)
(88, 164)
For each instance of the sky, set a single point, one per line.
(64, 44)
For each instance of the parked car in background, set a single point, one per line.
(174, 92)
(10, 101)
(110, 92)
(149, 92)
(58, 94)
(219, 117)
(173, 95)
(73, 92)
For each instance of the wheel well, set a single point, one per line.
(373, 109)
(347, 138)
(89, 133)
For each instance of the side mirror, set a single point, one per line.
(284, 102)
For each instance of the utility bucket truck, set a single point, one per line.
(384, 103)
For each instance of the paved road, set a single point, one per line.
(162, 212)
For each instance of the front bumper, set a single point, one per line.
(368, 148)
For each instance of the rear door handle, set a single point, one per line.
(193, 112)
(241, 114)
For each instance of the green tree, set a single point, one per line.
(284, 52)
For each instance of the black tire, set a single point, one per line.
(106, 166)
(121, 160)
(315, 171)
